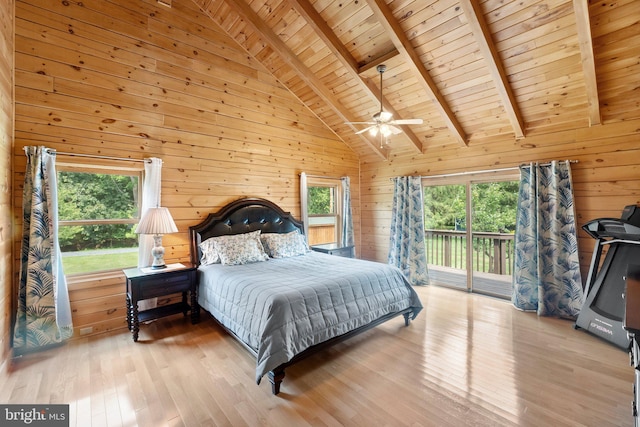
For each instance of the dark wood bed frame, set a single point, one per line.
(250, 214)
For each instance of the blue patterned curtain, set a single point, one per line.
(547, 273)
(406, 246)
(347, 219)
(44, 315)
(304, 204)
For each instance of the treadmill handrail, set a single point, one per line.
(631, 242)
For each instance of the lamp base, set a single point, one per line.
(158, 253)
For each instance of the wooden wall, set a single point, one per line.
(606, 177)
(6, 143)
(135, 79)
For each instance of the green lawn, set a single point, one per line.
(90, 263)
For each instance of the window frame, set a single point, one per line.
(336, 185)
(107, 167)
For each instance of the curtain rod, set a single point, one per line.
(94, 156)
(548, 163)
(319, 176)
(447, 175)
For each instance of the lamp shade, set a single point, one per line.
(157, 221)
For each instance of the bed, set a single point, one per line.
(287, 302)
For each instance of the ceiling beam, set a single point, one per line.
(378, 60)
(322, 29)
(581, 9)
(479, 28)
(403, 44)
(281, 49)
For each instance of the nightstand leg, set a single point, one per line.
(128, 312)
(184, 303)
(195, 308)
(135, 325)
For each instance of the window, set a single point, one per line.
(324, 204)
(98, 210)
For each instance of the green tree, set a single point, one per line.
(89, 196)
(444, 207)
(494, 210)
(320, 200)
(494, 207)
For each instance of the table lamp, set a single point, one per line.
(157, 221)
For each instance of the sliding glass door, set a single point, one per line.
(446, 234)
(469, 230)
(493, 207)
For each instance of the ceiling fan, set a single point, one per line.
(383, 123)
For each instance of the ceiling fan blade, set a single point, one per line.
(395, 130)
(360, 123)
(407, 122)
(364, 130)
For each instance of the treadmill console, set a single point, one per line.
(625, 228)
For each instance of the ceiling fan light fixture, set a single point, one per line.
(383, 123)
(382, 116)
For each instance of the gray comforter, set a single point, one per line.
(280, 307)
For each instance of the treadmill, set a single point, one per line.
(604, 308)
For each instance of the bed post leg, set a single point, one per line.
(275, 378)
(406, 318)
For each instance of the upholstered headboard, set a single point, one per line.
(242, 216)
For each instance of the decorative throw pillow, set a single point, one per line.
(284, 245)
(209, 253)
(240, 248)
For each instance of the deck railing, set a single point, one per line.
(492, 252)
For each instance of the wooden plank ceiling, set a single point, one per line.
(473, 70)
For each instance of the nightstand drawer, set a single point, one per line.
(164, 285)
(333, 249)
(345, 252)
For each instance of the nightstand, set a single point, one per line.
(334, 249)
(145, 283)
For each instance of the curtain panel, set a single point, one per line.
(304, 204)
(43, 316)
(406, 245)
(347, 219)
(547, 272)
(151, 190)
(151, 187)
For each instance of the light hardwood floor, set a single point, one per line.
(466, 360)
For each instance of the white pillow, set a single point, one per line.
(284, 245)
(209, 253)
(238, 249)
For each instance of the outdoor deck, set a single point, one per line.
(485, 283)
